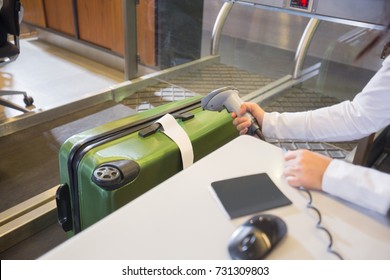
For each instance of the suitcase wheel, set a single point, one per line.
(115, 174)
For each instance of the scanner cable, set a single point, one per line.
(318, 225)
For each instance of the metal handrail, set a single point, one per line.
(218, 26)
(303, 47)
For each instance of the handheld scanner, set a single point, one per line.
(228, 98)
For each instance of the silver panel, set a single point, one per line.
(27, 218)
(130, 35)
(272, 3)
(370, 11)
(362, 11)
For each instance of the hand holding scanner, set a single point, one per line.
(227, 97)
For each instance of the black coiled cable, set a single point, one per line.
(318, 225)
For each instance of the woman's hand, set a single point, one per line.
(243, 123)
(305, 168)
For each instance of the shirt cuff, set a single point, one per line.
(360, 185)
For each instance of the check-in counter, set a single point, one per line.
(34, 12)
(101, 23)
(183, 219)
(168, 32)
(98, 23)
(60, 16)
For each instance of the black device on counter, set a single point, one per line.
(257, 237)
(249, 194)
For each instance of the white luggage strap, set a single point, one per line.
(173, 130)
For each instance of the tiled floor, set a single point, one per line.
(53, 76)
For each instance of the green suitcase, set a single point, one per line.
(135, 154)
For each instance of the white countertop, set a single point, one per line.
(181, 219)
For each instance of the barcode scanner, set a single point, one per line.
(228, 98)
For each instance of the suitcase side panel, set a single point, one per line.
(96, 203)
(157, 156)
(70, 149)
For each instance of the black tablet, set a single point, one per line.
(246, 195)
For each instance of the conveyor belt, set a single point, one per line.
(204, 80)
(301, 99)
(201, 81)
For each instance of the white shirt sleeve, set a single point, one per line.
(361, 185)
(368, 112)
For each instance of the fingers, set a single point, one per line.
(243, 109)
(243, 123)
(305, 168)
(293, 181)
(290, 155)
(255, 111)
(244, 131)
(294, 168)
(292, 173)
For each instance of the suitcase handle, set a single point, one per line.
(153, 128)
(64, 207)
